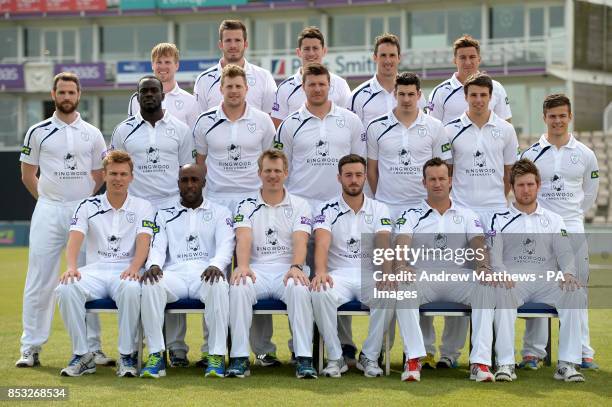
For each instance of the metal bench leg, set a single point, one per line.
(493, 348)
(165, 347)
(388, 353)
(548, 358)
(140, 346)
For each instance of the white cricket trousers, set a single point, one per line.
(49, 230)
(269, 284)
(569, 306)
(325, 303)
(184, 281)
(100, 280)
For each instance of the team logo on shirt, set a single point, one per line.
(272, 236)
(440, 241)
(557, 183)
(368, 218)
(70, 162)
(179, 104)
(84, 136)
(404, 157)
(113, 243)
(130, 217)
(233, 152)
(422, 132)
(340, 123)
(529, 245)
(288, 211)
(496, 133)
(458, 219)
(193, 243)
(544, 221)
(152, 155)
(322, 148)
(170, 131)
(353, 245)
(251, 80)
(574, 158)
(480, 160)
(207, 215)
(251, 126)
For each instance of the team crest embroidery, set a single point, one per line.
(369, 218)
(207, 215)
(529, 245)
(179, 104)
(288, 211)
(340, 123)
(152, 155)
(84, 136)
(233, 152)
(353, 245)
(251, 127)
(458, 219)
(170, 131)
(271, 236)
(422, 132)
(193, 243)
(251, 81)
(70, 162)
(496, 133)
(113, 243)
(440, 241)
(130, 217)
(574, 158)
(404, 157)
(544, 221)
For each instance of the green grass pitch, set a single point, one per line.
(278, 386)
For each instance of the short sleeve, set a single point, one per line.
(502, 107)
(511, 146)
(79, 221)
(146, 219)
(30, 151)
(383, 219)
(322, 218)
(372, 142)
(99, 150)
(303, 218)
(241, 215)
(199, 135)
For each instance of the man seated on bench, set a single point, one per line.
(272, 230)
(192, 246)
(531, 242)
(118, 228)
(443, 232)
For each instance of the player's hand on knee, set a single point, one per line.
(320, 280)
(130, 274)
(152, 275)
(70, 276)
(297, 275)
(212, 274)
(569, 283)
(241, 274)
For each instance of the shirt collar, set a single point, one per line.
(305, 113)
(539, 210)
(345, 207)
(572, 143)
(165, 118)
(426, 207)
(247, 112)
(176, 90)
(375, 85)
(419, 121)
(455, 82)
(285, 202)
(247, 67)
(465, 120)
(60, 124)
(204, 205)
(106, 204)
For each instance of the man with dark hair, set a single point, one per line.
(570, 180)
(446, 102)
(483, 146)
(290, 94)
(376, 96)
(68, 153)
(532, 240)
(232, 43)
(340, 224)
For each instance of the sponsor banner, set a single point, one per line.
(91, 74)
(60, 5)
(11, 76)
(137, 4)
(51, 6)
(29, 6)
(14, 234)
(7, 6)
(129, 72)
(346, 64)
(90, 5)
(165, 4)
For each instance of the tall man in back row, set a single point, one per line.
(68, 152)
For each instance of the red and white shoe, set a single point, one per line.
(481, 373)
(412, 371)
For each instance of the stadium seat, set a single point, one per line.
(107, 305)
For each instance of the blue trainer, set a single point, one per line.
(304, 368)
(589, 364)
(239, 367)
(216, 366)
(155, 367)
(530, 362)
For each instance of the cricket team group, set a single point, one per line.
(246, 191)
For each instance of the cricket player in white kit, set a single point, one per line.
(570, 180)
(447, 103)
(483, 146)
(118, 228)
(232, 43)
(290, 95)
(192, 246)
(68, 152)
(180, 103)
(438, 223)
(272, 230)
(340, 225)
(159, 143)
(533, 242)
(376, 96)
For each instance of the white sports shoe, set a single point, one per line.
(505, 373)
(369, 367)
(335, 368)
(103, 360)
(127, 366)
(28, 358)
(568, 373)
(80, 365)
(481, 373)
(412, 371)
